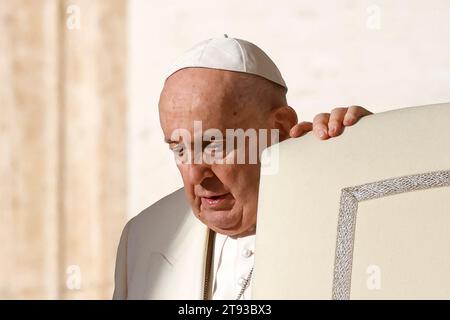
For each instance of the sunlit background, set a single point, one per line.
(81, 150)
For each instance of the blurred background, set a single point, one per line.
(81, 150)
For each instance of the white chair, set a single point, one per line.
(362, 216)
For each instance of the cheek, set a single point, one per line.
(188, 187)
(225, 176)
(241, 180)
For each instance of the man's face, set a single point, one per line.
(222, 196)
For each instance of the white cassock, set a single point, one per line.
(232, 264)
(163, 252)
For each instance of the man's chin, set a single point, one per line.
(224, 222)
(236, 233)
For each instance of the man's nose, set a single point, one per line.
(198, 172)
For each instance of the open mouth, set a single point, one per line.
(214, 198)
(217, 202)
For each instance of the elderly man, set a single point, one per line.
(221, 84)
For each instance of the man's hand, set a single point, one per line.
(326, 125)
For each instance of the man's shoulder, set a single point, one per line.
(169, 205)
(162, 217)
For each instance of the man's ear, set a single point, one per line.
(283, 118)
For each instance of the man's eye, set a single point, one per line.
(214, 146)
(178, 151)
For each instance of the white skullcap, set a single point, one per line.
(229, 54)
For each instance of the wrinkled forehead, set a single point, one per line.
(207, 85)
(219, 99)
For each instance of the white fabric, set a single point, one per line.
(396, 246)
(233, 260)
(162, 253)
(229, 54)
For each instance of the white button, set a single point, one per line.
(241, 282)
(246, 253)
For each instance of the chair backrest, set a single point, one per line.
(362, 216)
